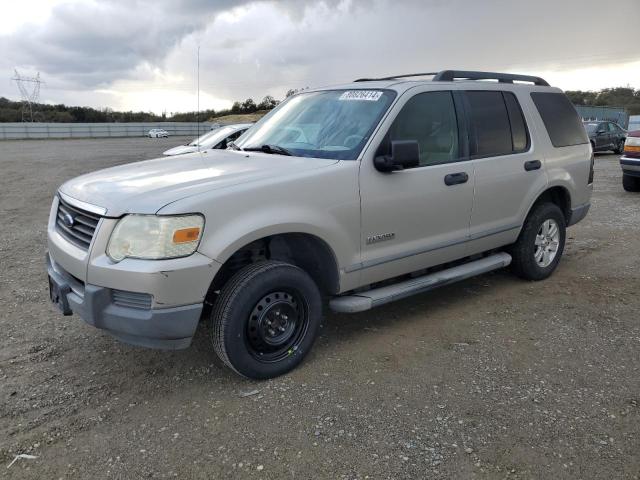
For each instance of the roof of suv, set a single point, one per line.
(405, 81)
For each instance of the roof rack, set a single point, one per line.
(451, 75)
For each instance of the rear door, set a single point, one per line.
(508, 171)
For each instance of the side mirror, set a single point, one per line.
(404, 154)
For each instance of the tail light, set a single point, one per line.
(591, 169)
(632, 147)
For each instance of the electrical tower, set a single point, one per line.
(29, 91)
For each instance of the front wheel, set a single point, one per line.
(619, 148)
(266, 319)
(537, 252)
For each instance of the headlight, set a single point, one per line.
(155, 237)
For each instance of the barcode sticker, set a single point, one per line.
(361, 95)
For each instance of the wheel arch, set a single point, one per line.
(557, 194)
(307, 251)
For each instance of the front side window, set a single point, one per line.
(333, 124)
(430, 119)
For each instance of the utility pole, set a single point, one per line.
(198, 110)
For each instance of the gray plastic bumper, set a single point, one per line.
(166, 328)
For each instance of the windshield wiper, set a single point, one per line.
(268, 148)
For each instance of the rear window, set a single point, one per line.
(560, 118)
(497, 123)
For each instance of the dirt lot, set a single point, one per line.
(490, 378)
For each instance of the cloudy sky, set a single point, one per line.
(141, 54)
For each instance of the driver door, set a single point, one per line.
(418, 217)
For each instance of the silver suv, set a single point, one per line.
(354, 195)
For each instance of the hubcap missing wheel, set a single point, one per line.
(276, 325)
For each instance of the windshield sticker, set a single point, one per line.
(361, 95)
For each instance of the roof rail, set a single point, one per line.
(451, 75)
(405, 75)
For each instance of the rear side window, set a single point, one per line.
(519, 134)
(560, 119)
(490, 122)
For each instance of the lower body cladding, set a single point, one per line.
(128, 316)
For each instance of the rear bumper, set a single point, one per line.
(630, 166)
(166, 328)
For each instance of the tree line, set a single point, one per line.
(11, 111)
(625, 97)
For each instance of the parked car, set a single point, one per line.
(158, 133)
(634, 123)
(361, 194)
(606, 136)
(215, 139)
(630, 163)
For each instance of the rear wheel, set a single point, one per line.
(266, 319)
(630, 184)
(537, 252)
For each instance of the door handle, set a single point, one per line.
(456, 178)
(532, 165)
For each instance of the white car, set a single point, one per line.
(215, 139)
(158, 133)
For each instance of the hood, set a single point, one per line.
(146, 187)
(180, 149)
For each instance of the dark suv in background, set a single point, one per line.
(606, 136)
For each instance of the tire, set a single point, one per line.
(266, 319)
(619, 148)
(527, 262)
(630, 184)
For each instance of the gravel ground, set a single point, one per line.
(490, 378)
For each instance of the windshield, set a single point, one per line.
(591, 127)
(332, 124)
(633, 127)
(202, 138)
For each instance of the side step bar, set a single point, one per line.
(359, 302)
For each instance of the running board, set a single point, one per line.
(359, 302)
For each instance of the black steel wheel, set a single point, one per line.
(266, 319)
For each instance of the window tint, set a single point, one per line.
(429, 118)
(490, 122)
(519, 134)
(612, 128)
(560, 119)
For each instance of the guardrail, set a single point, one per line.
(19, 131)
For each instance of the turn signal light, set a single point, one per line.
(186, 235)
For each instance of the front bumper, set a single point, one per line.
(630, 166)
(166, 328)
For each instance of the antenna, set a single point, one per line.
(198, 111)
(29, 91)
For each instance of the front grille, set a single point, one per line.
(131, 299)
(82, 227)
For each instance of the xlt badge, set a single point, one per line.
(381, 237)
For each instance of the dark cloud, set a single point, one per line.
(86, 46)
